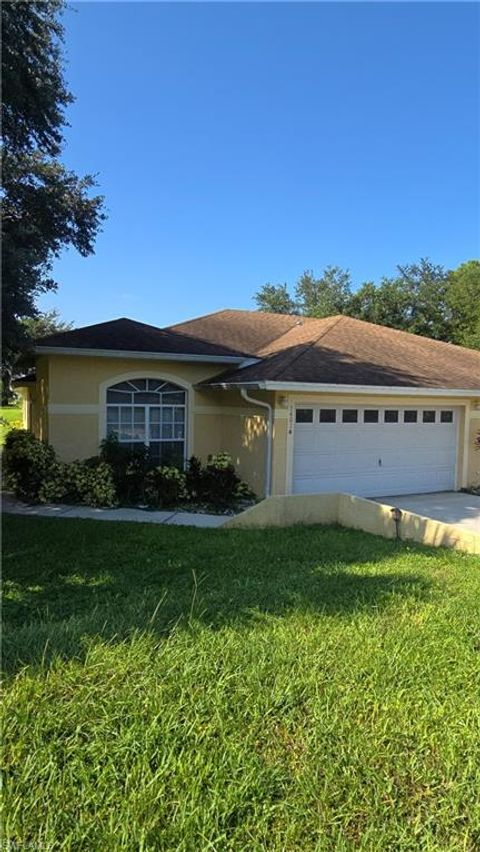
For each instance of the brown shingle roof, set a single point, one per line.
(345, 351)
(131, 336)
(335, 350)
(247, 331)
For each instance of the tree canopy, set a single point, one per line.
(46, 207)
(423, 298)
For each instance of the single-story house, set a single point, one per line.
(302, 405)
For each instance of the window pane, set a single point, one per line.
(155, 415)
(304, 415)
(113, 413)
(446, 417)
(391, 416)
(179, 415)
(410, 416)
(169, 386)
(328, 415)
(155, 431)
(122, 386)
(139, 384)
(167, 430)
(138, 432)
(429, 417)
(173, 398)
(126, 415)
(349, 415)
(370, 416)
(147, 398)
(125, 433)
(167, 415)
(133, 445)
(179, 430)
(119, 396)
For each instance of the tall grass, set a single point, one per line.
(183, 689)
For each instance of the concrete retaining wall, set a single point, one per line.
(356, 513)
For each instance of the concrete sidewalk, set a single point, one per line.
(188, 519)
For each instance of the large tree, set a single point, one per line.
(314, 297)
(463, 298)
(414, 300)
(324, 296)
(423, 298)
(46, 207)
(33, 328)
(275, 298)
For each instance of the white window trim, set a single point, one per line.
(147, 374)
(146, 406)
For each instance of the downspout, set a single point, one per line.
(268, 460)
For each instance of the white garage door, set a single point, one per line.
(373, 451)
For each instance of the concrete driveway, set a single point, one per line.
(451, 507)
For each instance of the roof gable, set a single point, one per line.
(131, 336)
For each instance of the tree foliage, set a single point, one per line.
(463, 298)
(46, 207)
(275, 298)
(324, 296)
(423, 298)
(44, 324)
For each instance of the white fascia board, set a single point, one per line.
(380, 390)
(150, 356)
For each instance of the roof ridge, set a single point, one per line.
(202, 316)
(412, 334)
(307, 346)
(311, 319)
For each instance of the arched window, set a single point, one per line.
(151, 412)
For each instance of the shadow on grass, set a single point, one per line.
(66, 581)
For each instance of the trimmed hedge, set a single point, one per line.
(118, 476)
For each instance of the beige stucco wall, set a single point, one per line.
(68, 408)
(70, 411)
(473, 466)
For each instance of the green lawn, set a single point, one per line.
(181, 689)
(9, 414)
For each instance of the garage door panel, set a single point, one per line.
(374, 486)
(374, 459)
(308, 463)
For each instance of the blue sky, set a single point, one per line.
(237, 144)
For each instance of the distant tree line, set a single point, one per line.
(423, 298)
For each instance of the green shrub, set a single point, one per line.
(165, 486)
(27, 462)
(118, 475)
(217, 483)
(54, 487)
(129, 468)
(193, 478)
(92, 485)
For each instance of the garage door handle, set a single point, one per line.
(379, 462)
